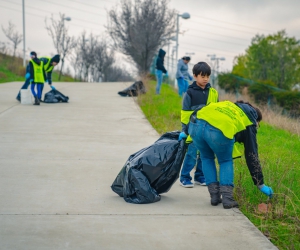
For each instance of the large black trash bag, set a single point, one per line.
(151, 171)
(54, 96)
(134, 89)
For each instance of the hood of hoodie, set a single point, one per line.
(195, 86)
(249, 111)
(37, 61)
(161, 53)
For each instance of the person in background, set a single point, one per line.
(49, 64)
(214, 130)
(37, 76)
(160, 70)
(199, 94)
(182, 75)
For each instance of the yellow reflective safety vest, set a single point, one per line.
(46, 66)
(228, 117)
(38, 72)
(186, 114)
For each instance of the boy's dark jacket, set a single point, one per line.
(160, 61)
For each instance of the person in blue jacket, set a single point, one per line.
(160, 70)
(49, 64)
(183, 75)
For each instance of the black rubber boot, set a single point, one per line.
(227, 197)
(214, 191)
(36, 101)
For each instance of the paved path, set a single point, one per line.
(58, 161)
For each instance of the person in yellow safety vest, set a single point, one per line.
(214, 130)
(198, 94)
(37, 76)
(49, 64)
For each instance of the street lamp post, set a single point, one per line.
(184, 16)
(24, 56)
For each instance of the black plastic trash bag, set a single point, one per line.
(151, 171)
(134, 89)
(54, 96)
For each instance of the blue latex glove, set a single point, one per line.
(191, 78)
(181, 78)
(27, 76)
(182, 135)
(266, 190)
(52, 87)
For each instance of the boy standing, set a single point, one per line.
(199, 94)
(37, 77)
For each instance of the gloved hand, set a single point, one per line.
(181, 78)
(27, 76)
(182, 135)
(266, 190)
(52, 87)
(191, 78)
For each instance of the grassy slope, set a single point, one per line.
(11, 70)
(279, 156)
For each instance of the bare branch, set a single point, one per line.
(139, 29)
(12, 35)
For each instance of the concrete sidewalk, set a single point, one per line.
(58, 161)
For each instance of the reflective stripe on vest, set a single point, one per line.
(47, 65)
(38, 72)
(186, 114)
(226, 116)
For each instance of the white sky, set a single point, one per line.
(219, 27)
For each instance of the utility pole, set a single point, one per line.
(24, 54)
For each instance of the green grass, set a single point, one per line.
(279, 157)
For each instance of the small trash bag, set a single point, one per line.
(54, 96)
(134, 89)
(151, 171)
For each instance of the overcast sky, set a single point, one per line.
(219, 27)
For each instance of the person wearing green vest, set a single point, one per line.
(37, 77)
(198, 94)
(49, 64)
(214, 130)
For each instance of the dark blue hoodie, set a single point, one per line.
(160, 61)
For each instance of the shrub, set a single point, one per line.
(289, 100)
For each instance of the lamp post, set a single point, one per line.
(184, 16)
(24, 57)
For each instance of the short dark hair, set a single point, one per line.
(187, 58)
(201, 68)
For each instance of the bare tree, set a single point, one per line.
(12, 35)
(140, 28)
(104, 58)
(63, 43)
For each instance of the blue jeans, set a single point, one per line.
(189, 162)
(25, 86)
(211, 141)
(182, 86)
(159, 78)
(39, 87)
